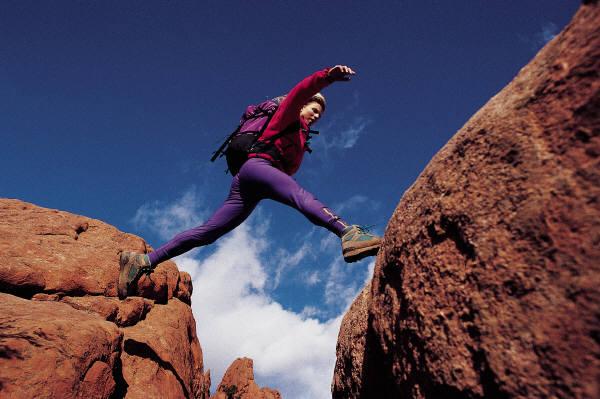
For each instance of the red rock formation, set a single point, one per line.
(238, 383)
(347, 377)
(63, 331)
(488, 282)
(51, 350)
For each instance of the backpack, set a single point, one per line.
(244, 139)
(240, 143)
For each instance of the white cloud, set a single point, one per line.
(341, 287)
(235, 314)
(236, 317)
(548, 32)
(370, 271)
(168, 220)
(345, 136)
(330, 243)
(343, 129)
(358, 206)
(312, 278)
(352, 203)
(287, 260)
(310, 312)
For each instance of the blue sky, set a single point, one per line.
(111, 109)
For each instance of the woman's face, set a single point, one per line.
(311, 112)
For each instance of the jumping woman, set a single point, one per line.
(266, 174)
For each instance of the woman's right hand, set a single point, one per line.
(341, 73)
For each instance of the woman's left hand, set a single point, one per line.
(341, 73)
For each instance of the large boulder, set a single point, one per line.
(63, 331)
(488, 281)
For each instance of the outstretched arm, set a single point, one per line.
(289, 110)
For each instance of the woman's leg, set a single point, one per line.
(267, 181)
(236, 208)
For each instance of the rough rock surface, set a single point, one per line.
(166, 340)
(42, 355)
(238, 383)
(63, 331)
(488, 281)
(58, 252)
(350, 351)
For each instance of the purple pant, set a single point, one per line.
(257, 180)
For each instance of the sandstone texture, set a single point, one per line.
(54, 252)
(51, 350)
(350, 350)
(488, 281)
(238, 383)
(63, 331)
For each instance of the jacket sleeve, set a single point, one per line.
(289, 110)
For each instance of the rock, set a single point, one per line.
(133, 309)
(51, 350)
(184, 288)
(107, 308)
(63, 331)
(167, 338)
(58, 252)
(488, 280)
(238, 383)
(350, 350)
(161, 284)
(124, 313)
(98, 381)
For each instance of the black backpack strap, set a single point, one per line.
(309, 133)
(220, 151)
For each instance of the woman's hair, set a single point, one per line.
(319, 98)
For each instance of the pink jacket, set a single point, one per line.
(291, 146)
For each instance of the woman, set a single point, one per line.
(267, 174)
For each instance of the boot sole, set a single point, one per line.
(356, 254)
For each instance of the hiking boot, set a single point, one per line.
(132, 266)
(358, 243)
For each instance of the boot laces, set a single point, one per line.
(365, 229)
